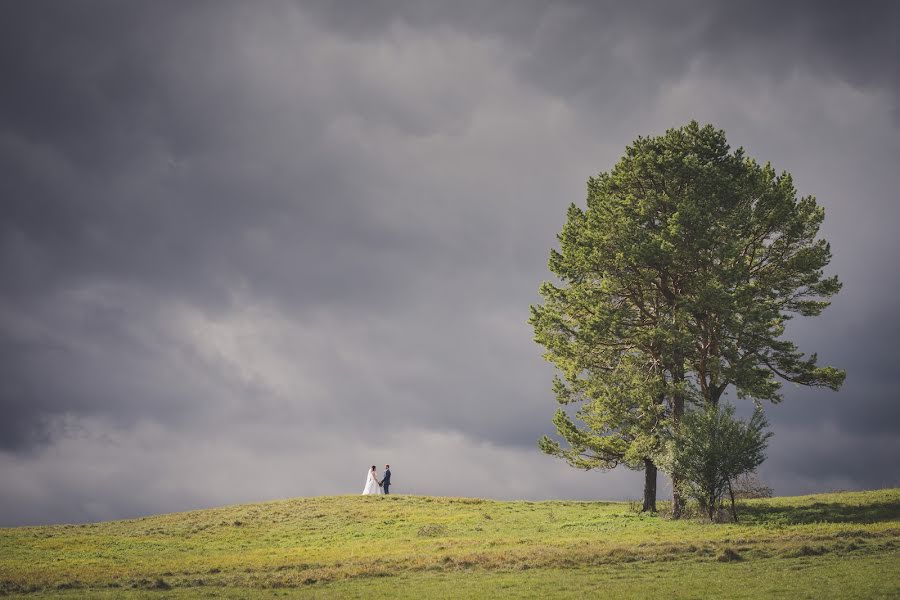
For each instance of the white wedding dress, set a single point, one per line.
(372, 486)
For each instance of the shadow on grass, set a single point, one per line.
(831, 512)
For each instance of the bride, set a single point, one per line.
(373, 486)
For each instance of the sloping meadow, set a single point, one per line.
(319, 543)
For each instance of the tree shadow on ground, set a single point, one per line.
(830, 512)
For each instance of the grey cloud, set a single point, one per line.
(248, 464)
(822, 457)
(615, 51)
(309, 235)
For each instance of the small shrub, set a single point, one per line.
(711, 448)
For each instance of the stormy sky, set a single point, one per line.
(249, 249)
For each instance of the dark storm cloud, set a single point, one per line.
(105, 107)
(185, 183)
(572, 47)
(852, 42)
(237, 235)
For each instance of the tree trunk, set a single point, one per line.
(733, 509)
(677, 413)
(677, 498)
(649, 486)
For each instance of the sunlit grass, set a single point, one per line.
(350, 545)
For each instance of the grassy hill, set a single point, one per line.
(844, 545)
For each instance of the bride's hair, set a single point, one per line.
(373, 467)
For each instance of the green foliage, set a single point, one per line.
(622, 414)
(674, 283)
(730, 248)
(710, 449)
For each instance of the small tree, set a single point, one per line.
(711, 448)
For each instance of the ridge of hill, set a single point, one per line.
(827, 545)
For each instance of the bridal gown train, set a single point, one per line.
(372, 486)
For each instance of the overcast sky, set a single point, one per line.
(249, 249)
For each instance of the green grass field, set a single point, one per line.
(844, 545)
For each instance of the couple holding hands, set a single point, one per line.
(374, 485)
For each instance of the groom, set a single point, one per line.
(386, 479)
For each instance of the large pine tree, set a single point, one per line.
(675, 283)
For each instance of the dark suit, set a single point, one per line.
(386, 481)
